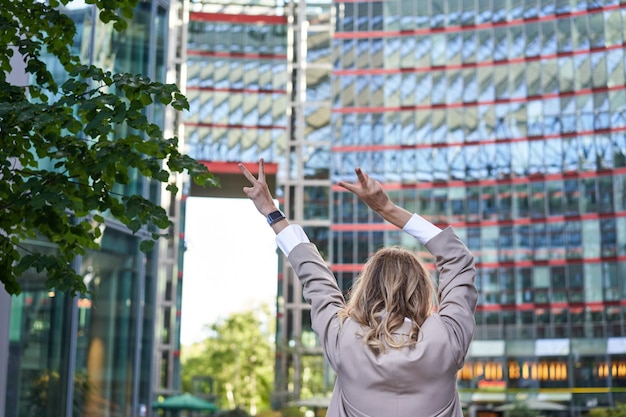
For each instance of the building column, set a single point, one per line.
(5, 320)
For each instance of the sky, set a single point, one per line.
(230, 264)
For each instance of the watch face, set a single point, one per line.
(275, 216)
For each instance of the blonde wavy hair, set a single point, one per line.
(393, 284)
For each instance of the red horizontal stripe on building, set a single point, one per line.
(225, 126)
(493, 141)
(576, 307)
(346, 268)
(531, 263)
(236, 90)
(366, 227)
(238, 55)
(486, 182)
(505, 307)
(385, 71)
(452, 29)
(229, 167)
(238, 18)
(361, 227)
(425, 107)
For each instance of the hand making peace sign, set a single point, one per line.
(259, 192)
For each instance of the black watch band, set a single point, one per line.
(275, 217)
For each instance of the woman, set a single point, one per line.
(394, 356)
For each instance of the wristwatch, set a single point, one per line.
(275, 217)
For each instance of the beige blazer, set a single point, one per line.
(408, 382)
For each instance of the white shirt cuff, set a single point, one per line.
(290, 237)
(421, 229)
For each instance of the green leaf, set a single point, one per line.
(180, 102)
(162, 176)
(154, 131)
(147, 147)
(107, 15)
(122, 178)
(146, 246)
(120, 25)
(134, 225)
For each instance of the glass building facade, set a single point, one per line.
(236, 82)
(504, 119)
(301, 371)
(238, 86)
(95, 356)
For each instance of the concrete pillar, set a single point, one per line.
(5, 320)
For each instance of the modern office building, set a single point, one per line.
(238, 88)
(506, 120)
(111, 354)
(247, 69)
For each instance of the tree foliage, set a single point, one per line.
(618, 411)
(46, 391)
(70, 143)
(520, 409)
(239, 357)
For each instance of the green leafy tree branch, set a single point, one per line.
(70, 146)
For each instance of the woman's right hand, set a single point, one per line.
(371, 192)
